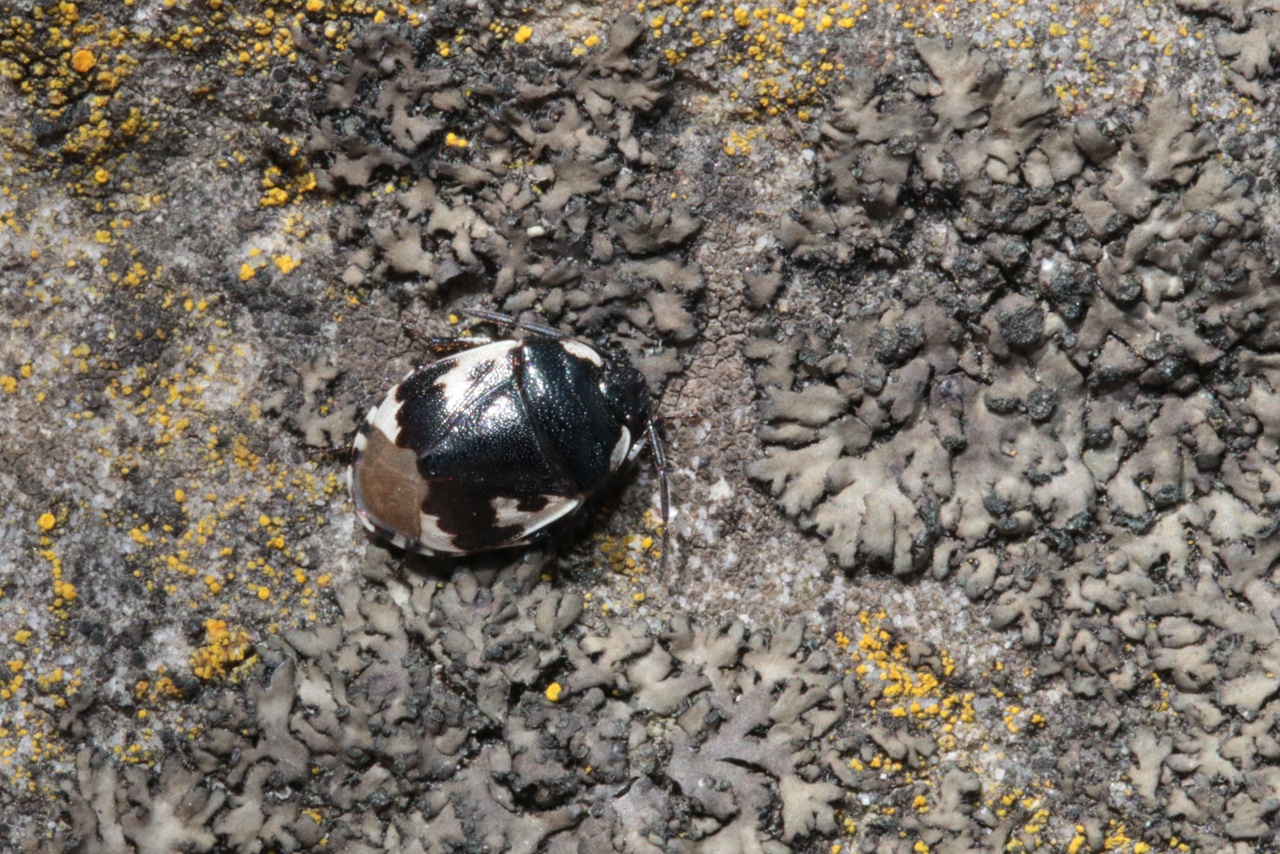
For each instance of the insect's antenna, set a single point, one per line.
(503, 320)
(660, 463)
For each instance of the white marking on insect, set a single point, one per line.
(635, 451)
(433, 538)
(506, 512)
(385, 417)
(360, 442)
(582, 351)
(457, 383)
(619, 452)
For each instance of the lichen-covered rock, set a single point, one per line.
(422, 720)
(530, 182)
(1249, 43)
(1055, 389)
(1021, 355)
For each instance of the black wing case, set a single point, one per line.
(469, 425)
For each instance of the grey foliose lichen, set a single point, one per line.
(1033, 354)
(481, 714)
(532, 173)
(1247, 37)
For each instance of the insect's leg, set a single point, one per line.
(440, 348)
(337, 452)
(503, 320)
(660, 464)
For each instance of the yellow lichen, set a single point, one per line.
(223, 649)
(83, 61)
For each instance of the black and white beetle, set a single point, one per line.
(495, 441)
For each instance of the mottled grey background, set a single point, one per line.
(963, 321)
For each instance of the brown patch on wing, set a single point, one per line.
(386, 486)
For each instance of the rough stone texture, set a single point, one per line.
(573, 234)
(417, 721)
(967, 343)
(1052, 384)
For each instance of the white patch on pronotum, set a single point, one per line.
(620, 450)
(582, 351)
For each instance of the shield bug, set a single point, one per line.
(497, 440)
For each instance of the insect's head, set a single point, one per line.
(627, 396)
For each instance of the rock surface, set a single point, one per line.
(963, 317)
